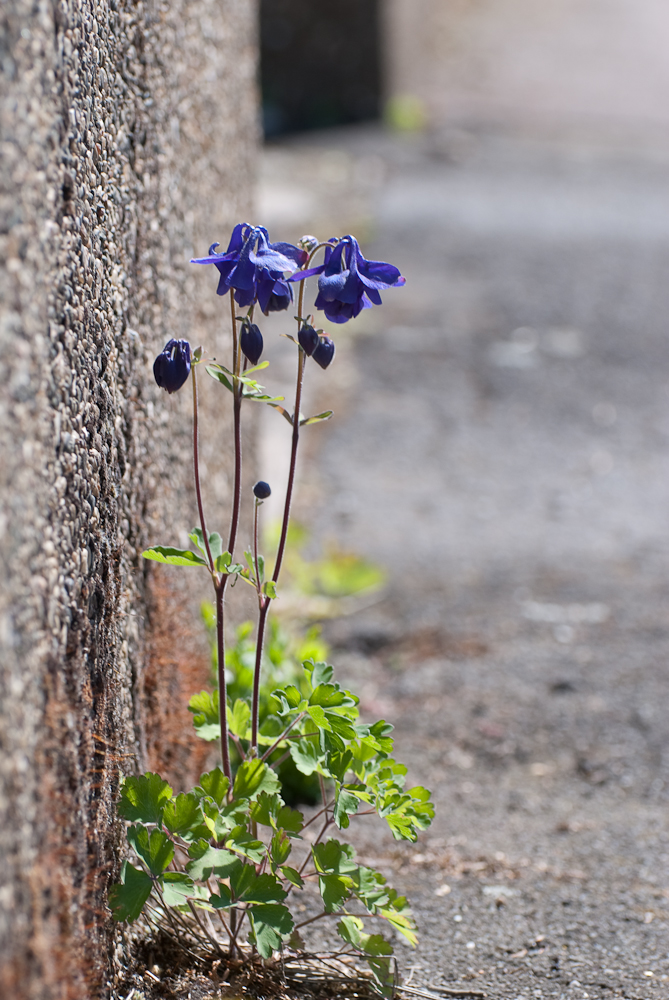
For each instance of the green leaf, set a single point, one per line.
(346, 805)
(253, 777)
(156, 849)
(207, 860)
(239, 718)
(269, 810)
(318, 673)
(349, 929)
(224, 564)
(215, 543)
(290, 820)
(223, 900)
(339, 763)
(376, 944)
(306, 755)
(144, 798)
(182, 814)
(271, 923)
(280, 847)
(334, 890)
(240, 840)
(289, 697)
(127, 898)
(247, 887)
(172, 556)
(332, 856)
(219, 376)
(315, 420)
(257, 368)
(215, 784)
(269, 589)
(330, 696)
(292, 876)
(402, 923)
(176, 888)
(204, 707)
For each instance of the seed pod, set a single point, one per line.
(262, 490)
(172, 366)
(324, 352)
(251, 343)
(308, 339)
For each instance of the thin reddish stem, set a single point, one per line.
(196, 468)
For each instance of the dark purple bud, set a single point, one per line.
(324, 352)
(308, 339)
(261, 490)
(250, 342)
(172, 366)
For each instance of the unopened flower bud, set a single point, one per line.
(308, 339)
(250, 341)
(262, 490)
(308, 243)
(324, 352)
(172, 366)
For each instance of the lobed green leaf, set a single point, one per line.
(173, 557)
(127, 898)
(144, 798)
(155, 849)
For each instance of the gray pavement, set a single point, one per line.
(501, 445)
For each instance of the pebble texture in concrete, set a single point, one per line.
(126, 128)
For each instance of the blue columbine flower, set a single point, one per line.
(255, 268)
(172, 366)
(349, 283)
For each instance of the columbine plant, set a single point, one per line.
(218, 864)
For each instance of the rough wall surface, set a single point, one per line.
(127, 133)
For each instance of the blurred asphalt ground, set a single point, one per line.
(500, 445)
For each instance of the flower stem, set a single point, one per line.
(222, 690)
(196, 468)
(264, 607)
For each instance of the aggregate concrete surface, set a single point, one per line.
(500, 445)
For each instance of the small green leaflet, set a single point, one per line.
(318, 673)
(346, 805)
(127, 899)
(204, 707)
(271, 923)
(292, 876)
(306, 755)
(155, 849)
(207, 860)
(253, 777)
(215, 784)
(317, 419)
(240, 840)
(143, 799)
(247, 887)
(182, 814)
(239, 717)
(215, 543)
(176, 888)
(174, 557)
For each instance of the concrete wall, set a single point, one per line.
(128, 132)
(568, 63)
